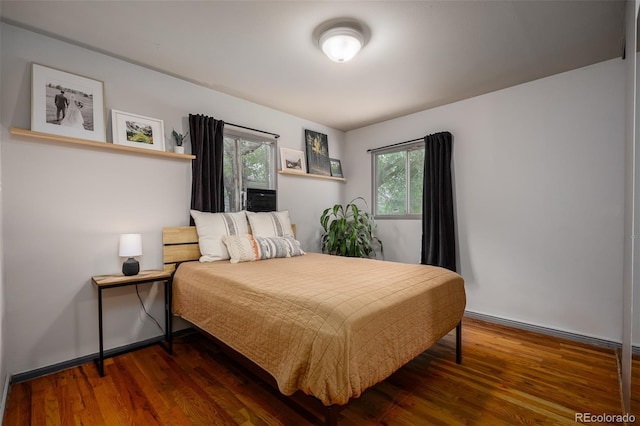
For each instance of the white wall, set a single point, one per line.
(630, 266)
(64, 207)
(630, 270)
(3, 370)
(539, 183)
(636, 283)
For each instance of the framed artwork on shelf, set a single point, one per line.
(67, 104)
(336, 168)
(317, 153)
(293, 160)
(137, 130)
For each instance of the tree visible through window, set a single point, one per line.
(398, 181)
(249, 162)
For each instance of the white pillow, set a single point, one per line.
(212, 227)
(270, 224)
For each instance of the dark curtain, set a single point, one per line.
(207, 144)
(438, 227)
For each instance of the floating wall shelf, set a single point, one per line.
(47, 137)
(310, 175)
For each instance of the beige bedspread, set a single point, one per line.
(329, 326)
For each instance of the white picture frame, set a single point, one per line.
(137, 131)
(293, 161)
(67, 104)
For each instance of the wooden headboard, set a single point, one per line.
(180, 244)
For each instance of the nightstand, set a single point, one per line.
(103, 282)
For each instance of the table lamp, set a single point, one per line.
(130, 245)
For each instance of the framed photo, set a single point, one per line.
(336, 168)
(317, 153)
(67, 104)
(137, 130)
(293, 160)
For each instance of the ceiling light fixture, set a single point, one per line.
(341, 43)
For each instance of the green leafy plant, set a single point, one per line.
(179, 137)
(348, 231)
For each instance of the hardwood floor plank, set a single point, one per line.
(507, 377)
(132, 398)
(38, 403)
(66, 401)
(180, 390)
(152, 394)
(111, 409)
(19, 405)
(87, 378)
(242, 392)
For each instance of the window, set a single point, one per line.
(397, 189)
(249, 162)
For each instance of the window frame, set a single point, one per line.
(374, 179)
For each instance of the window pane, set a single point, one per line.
(230, 173)
(416, 173)
(391, 183)
(256, 165)
(246, 163)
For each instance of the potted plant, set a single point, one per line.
(179, 149)
(348, 231)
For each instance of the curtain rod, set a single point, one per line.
(395, 144)
(275, 135)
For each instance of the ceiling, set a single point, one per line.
(420, 54)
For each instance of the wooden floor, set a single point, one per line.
(635, 387)
(508, 377)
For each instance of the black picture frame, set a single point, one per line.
(336, 167)
(317, 148)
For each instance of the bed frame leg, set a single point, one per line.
(331, 416)
(459, 343)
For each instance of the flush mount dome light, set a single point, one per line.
(341, 43)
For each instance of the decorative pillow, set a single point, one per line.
(247, 248)
(270, 224)
(212, 227)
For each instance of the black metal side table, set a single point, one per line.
(103, 282)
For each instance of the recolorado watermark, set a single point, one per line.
(604, 418)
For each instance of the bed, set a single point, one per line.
(326, 326)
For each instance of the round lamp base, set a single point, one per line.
(130, 267)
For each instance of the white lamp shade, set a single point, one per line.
(341, 44)
(130, 245)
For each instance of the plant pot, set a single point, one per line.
(178, 149)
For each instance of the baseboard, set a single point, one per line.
(43, 371)
(5, 395)
(548, 331)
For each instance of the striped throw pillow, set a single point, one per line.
(247, 248)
